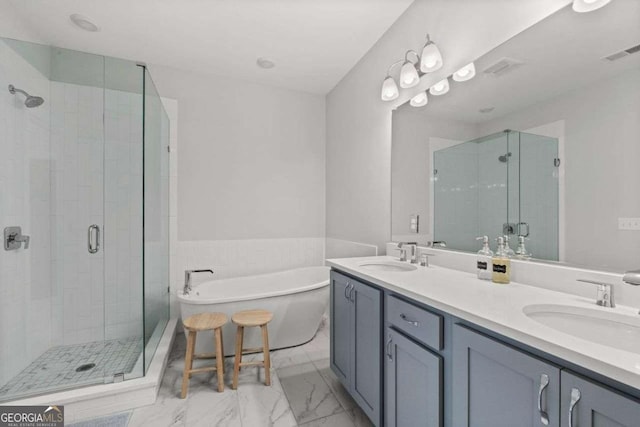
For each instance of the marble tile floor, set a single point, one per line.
(304, 392)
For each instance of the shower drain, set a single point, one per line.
(85, 367)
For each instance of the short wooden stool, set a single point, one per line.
(250, 318)
(193, 325)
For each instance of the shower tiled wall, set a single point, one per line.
(25, 286)
(77, 176)
(123, 214)
(233, 258)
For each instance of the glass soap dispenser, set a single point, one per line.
(484, 263)
(521, 251)
(501, 272)
(510, 253)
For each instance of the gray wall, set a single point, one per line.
(252, 158)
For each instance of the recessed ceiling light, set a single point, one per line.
(265, 63)
(84, 23)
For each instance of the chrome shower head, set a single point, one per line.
(504, 158)
(31, 101)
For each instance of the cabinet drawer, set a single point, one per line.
(415, 321)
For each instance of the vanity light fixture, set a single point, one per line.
(465, 73)
(588, 5)
(408, 73)
(389, 87)
(420, 100)
(431, 58)
(440, 88)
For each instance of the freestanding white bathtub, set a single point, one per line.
(297, 298)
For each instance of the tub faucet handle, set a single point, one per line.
(187, 278)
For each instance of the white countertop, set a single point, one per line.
(500, 309)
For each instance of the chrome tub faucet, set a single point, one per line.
(187, 279)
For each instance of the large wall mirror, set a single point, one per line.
(544, 142)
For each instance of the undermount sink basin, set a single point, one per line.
(612, 329)
(388, 266)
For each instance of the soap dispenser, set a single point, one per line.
(501, 271)
(507, 249)
(484, 263)
(521, 251)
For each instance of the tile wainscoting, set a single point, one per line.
(234, 258)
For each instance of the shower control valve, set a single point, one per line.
(13, 239)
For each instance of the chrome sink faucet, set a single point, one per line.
(187, 279)
(414, 251)
(605, 293)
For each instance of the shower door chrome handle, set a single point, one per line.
(93, 238)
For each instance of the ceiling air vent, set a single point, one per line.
(623, 53)
(502, 66)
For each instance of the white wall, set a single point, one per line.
(601, 173)
(250, 175)
(359, 124)
(412, 130)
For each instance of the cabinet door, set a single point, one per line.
(587, 404)
(366, 373)
(496, 385)
(413, 385)
(341, 328)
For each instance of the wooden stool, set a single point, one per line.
(193, 325)
(250, 318)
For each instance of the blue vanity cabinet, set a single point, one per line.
(588, 404)
(413, 383)
(356, 342)
(340, 329)
(499, 386)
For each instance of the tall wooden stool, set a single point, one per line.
(193, 325)
(250, 318)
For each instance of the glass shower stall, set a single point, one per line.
(84, 209)
(506, 183)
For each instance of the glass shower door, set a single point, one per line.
(123, 193)
(156, 219)
(539, 194)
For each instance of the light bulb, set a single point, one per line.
(431, 58)
(465, 73)
(440, 88)
(588, 5)
(420, 100)
(389, 89)
(408, 75)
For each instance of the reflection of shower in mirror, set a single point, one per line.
(505, 157)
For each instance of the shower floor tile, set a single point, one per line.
(56, 368)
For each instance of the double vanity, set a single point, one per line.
(432, 346)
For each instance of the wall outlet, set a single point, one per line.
(414, 223)
(628, 223)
